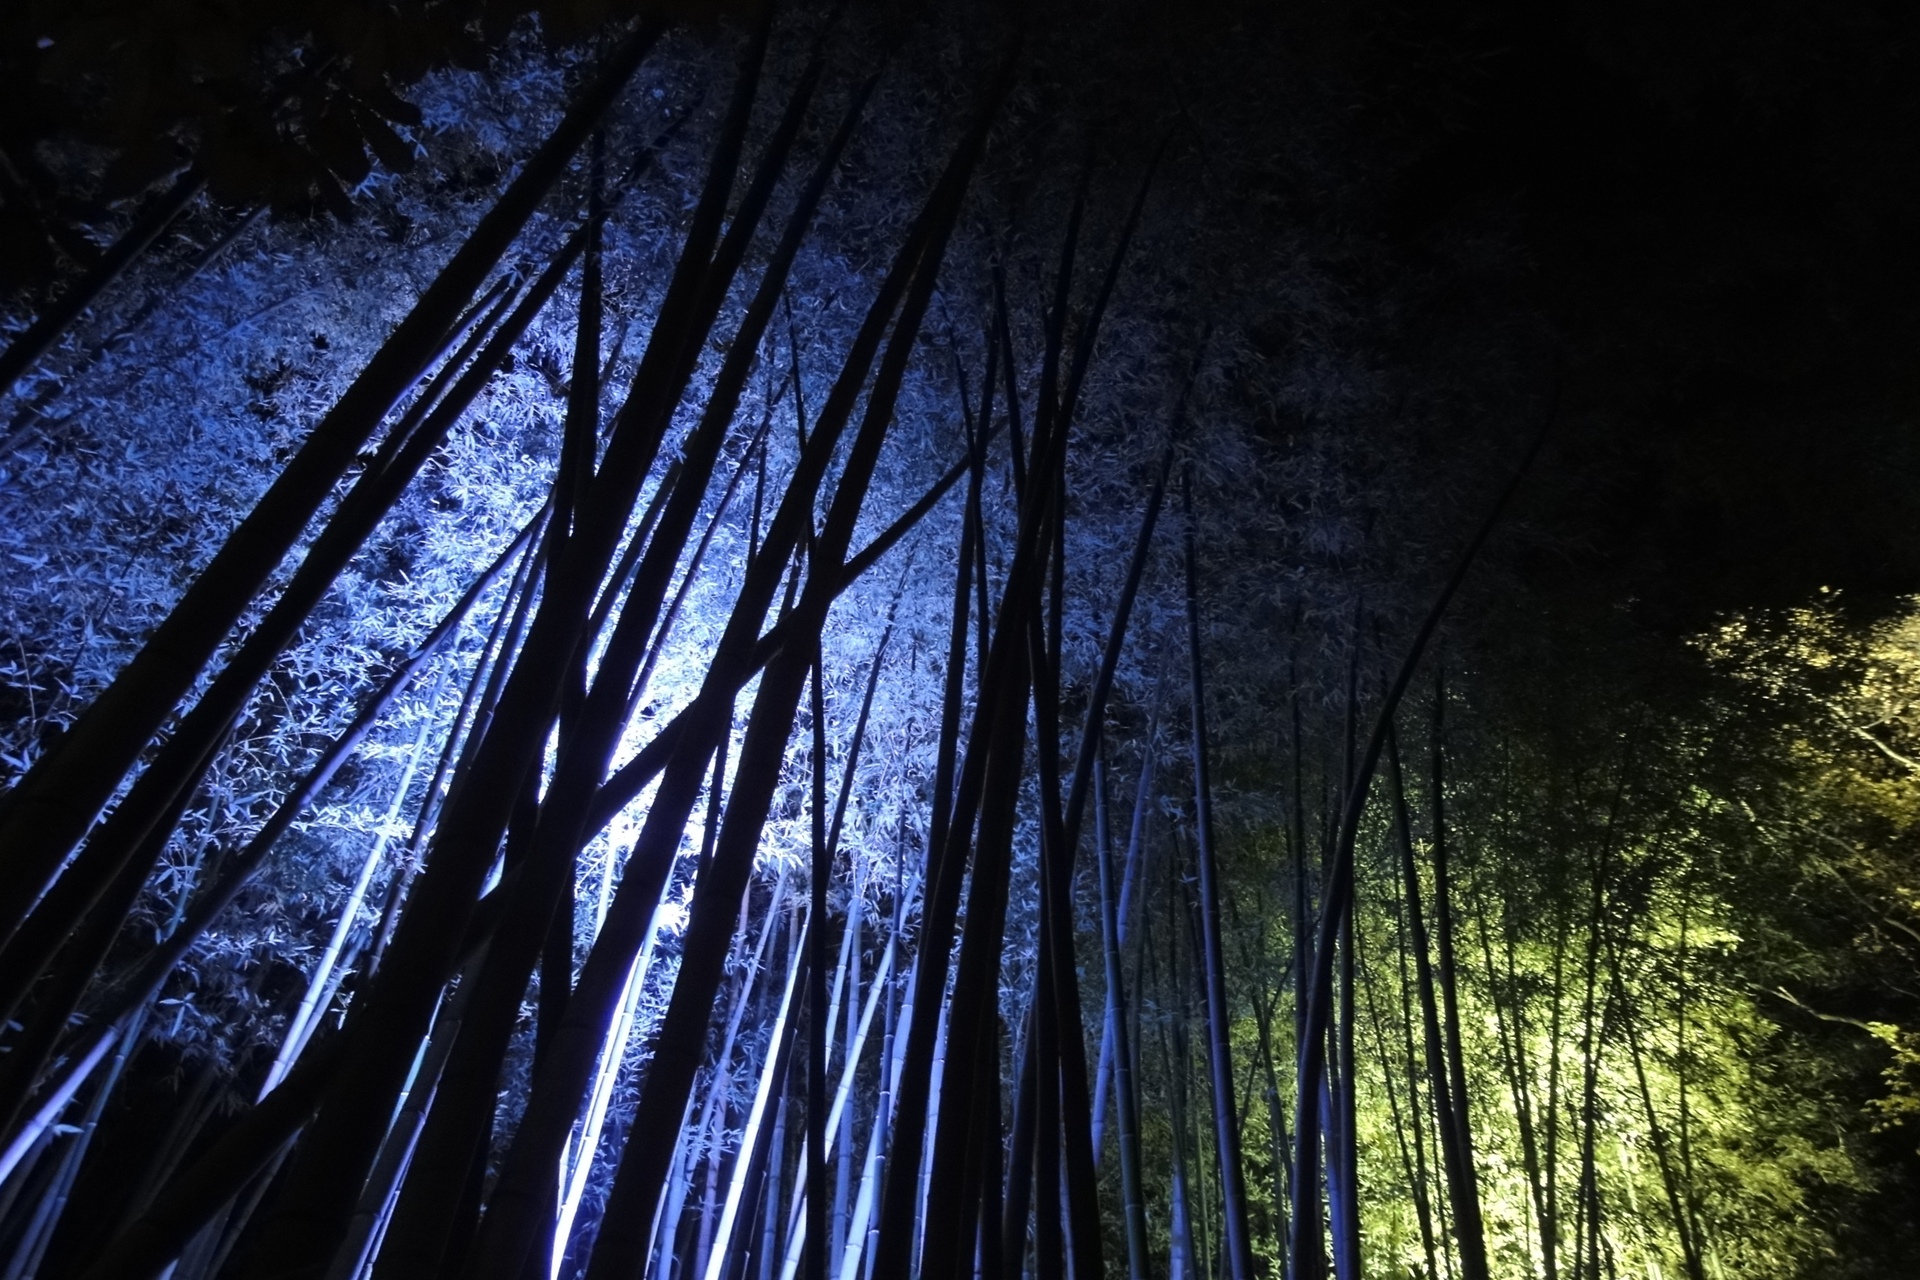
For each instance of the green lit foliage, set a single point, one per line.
(1843, 696)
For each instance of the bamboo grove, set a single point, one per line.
(817, 833)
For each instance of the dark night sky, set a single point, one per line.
(1719, 203)
(1716, 203)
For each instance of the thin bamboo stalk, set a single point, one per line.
(1239, 1245)
(1133, 1208)
(48, 812)
(340, 1143)
(323, 971)
(120, 854)
(1339, 877)
(620, 1246)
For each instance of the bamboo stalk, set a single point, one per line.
(1239, 1247)
(1133, 1209)
(46, 814)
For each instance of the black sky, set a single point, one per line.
(1718, 203)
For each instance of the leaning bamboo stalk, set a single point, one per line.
(858, 1231)
(342, 1140)
(109, 854)
(633, 777)
(31, 1250)
(1065, 1164)
(254, 1143)
(1017, 649)
(700, 1139)
(1133, 1212)
(376, 1201)
(717, 892)
(505, 1242)
(1124, 913)
(1339, 877)
(248, 1146)
(39, 337)
(583, 759)
(106, 878)
(990, 782)
(753, 1153)
(1415, 1171)
(135, 991)
(584, 756)
(689, 573)
(843, 1131)
(1467, 1213)
(1061, 827)
(993, 749)
(1670, 1177)
(1226, 1127)
(1182, 1263)
(1509, 1030)
(48, 812)
(1457, 1158)
(193, 1107)
(835, 1119)
(323, 971)
(1423, 1198)
(577, 1162)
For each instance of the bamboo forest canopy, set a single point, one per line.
(744, 642)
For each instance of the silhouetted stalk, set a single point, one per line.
(991, 773)
(20, 427)
(819, 1022)
(630, 779)
(251, 1143)
(1656, 1130)
(713, 1109)
(50, 809)
(134, 991)
(770, 1210)
(342, 1140)
(1182, 1262)
(1455, 1153)
(311, 1006)
(1239, 1248)
(32, 1247)
(1061, 1021)
(1343, 1166)
(112, 859)
(1123, 915)
(1423, 1199)
(1403, 1120)
(1133, 1210)
(39, 337)
(1467, 1215)
(1510, 1032)
(1339, 883)
(759, 1139)
(843, 1132)
(947, 751)
(763, 1146)
(377, 1198)
(1018, 1191)
(860, 1229)
(194, 1106)
(1056, 410)
(620, 1248)
(835, 1118)
(1592, 1043)
(989, 786)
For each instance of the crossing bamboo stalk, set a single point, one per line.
(46, 814)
